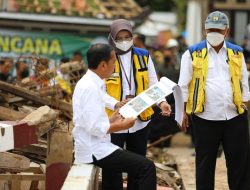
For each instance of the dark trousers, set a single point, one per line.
(233, 135)
(124, 161)
(135, 142)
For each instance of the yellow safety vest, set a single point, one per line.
(140, 71)
(63, 84)
(196, 99)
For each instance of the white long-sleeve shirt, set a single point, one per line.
(110, 101)
(90, 120)
(219, 98)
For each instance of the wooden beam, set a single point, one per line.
(61, 105)
(7, 114)
(13, 162)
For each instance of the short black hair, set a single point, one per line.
(77, 53)
(64, 59)
(97, 53)
(140, 37)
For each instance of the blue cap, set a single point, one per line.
(217, 20)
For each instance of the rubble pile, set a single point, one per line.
(36, 114)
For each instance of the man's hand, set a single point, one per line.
(165, 108)
(116, 116)
(118, 123)
(184, 125)
(128, 122)
(121, 103)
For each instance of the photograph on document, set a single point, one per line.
(155, 93)
(138, 104)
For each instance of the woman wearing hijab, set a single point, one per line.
(134, 72)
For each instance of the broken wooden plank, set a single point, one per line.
(35, 152)
(162, 139)
(30, 95)
(13, 162)
(7, 114)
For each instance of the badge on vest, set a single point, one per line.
(129, 96)
(199, 54)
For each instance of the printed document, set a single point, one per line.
(153, 95)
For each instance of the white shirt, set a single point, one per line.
(90, 120)
(110, 102)
(219, 98)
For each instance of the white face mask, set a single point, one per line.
(215, 38)
(124, 45)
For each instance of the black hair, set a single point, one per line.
(64, 60)
(77, 53)
(141, 37)
(97, 53)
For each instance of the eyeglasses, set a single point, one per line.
(127, 38)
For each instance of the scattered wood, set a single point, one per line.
(15, 181)
(13, 162)
(166, 169)
(35, 152)
(161, 140)
(7, 114)
(26, 109)
(30, 95)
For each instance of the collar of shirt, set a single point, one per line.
(209, 47)
(96, 79)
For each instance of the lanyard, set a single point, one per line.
(130, 72)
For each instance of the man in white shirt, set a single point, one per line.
(213, 79)
(134, 73)
(92, 127)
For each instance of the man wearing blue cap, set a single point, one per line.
(214, 82)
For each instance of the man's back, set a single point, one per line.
(90, 121)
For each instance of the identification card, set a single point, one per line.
(130, 96)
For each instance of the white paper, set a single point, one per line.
(151, 96)
(6, 139)
(179, 104)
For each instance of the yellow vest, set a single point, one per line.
(65, 85)
(196, 99)
(140, 71)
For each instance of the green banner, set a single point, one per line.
(50, 45)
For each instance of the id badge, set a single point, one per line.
(129, 96)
